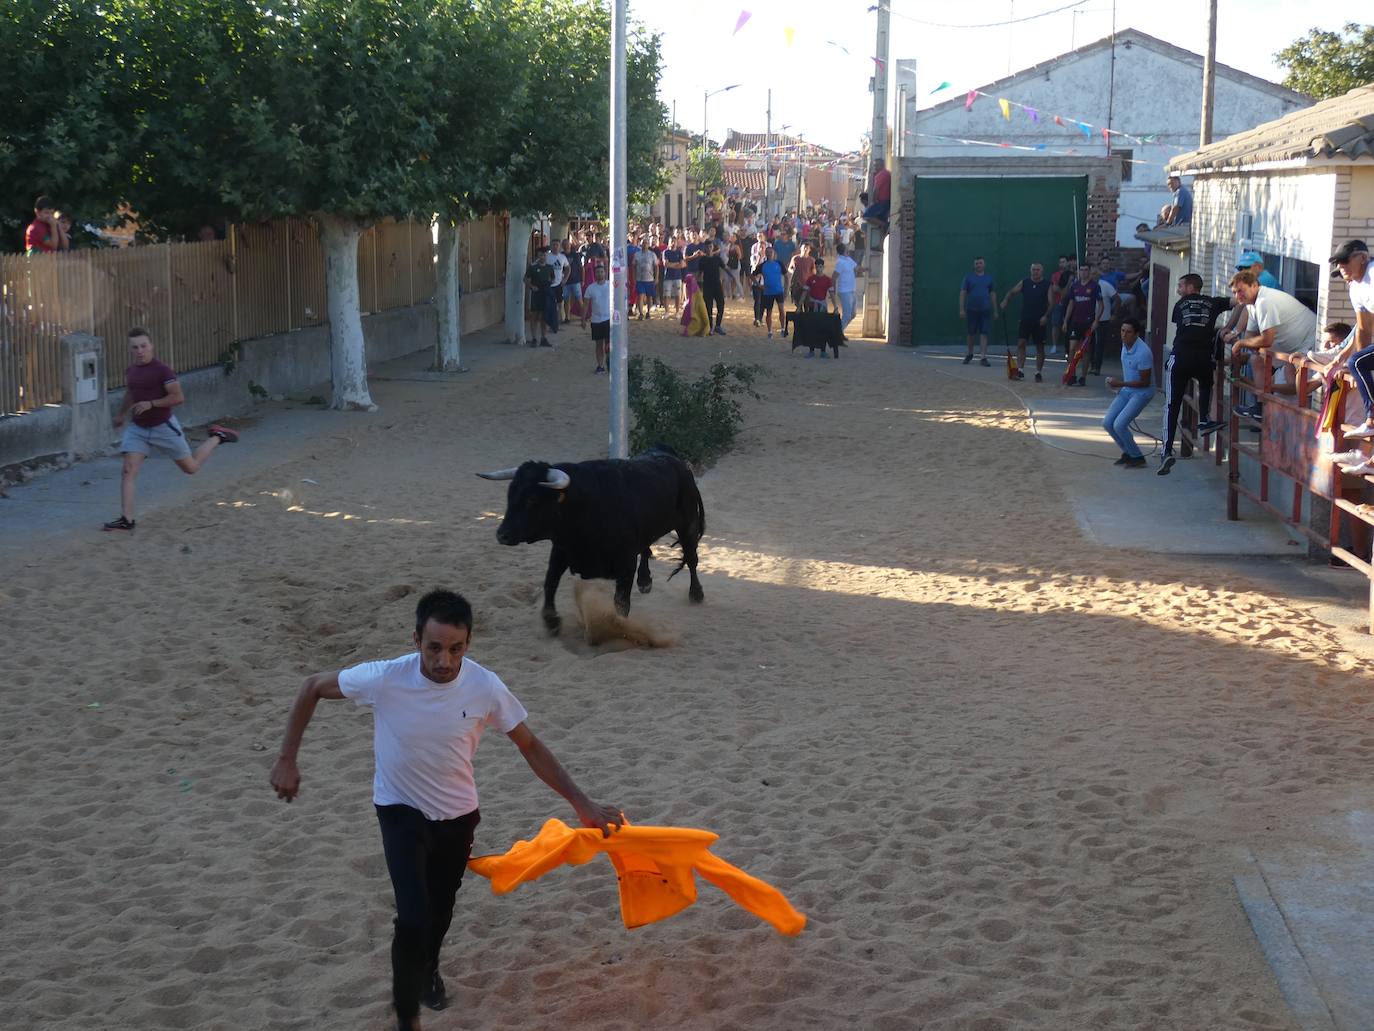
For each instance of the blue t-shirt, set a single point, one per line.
(1184, 200)
(978, 292)
(783, 250)
(1267, 279)
(1134, 360)
(672, 254)
(772, 277)
(693, 253)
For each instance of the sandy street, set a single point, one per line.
(1008, 775)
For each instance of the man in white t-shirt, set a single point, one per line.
(845, 269)
(597, 310)
(558, 261)
(429, 710)
(1279, 322)
(1353, 263)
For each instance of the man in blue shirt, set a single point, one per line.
(977, 306)
(695, 249)
(1253, 261)
(1180, 212)
(785, 250)
(674, 266)
(1134, 390)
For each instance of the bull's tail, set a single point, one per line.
(695, 537)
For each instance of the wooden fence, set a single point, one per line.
(198, 299)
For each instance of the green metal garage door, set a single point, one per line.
(1010, 221)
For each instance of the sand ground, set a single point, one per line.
(1007, 774)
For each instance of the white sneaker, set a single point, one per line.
(1348, 457)
(1365, 468)
(1364, 431)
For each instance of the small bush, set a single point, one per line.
(698, 420)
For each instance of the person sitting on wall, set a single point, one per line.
(876, 214)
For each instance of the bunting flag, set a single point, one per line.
(880, 63)
(1033, 115)
(937, 89)
(1058, 120)
(1006, 108)
(832, 43)
(1086, 129)
(968, 101)
(788, 32)
(1004, 145)
(744, 16)
(1107, 136)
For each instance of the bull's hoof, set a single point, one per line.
(646, 587)
(622, 605)
(553, 623)
(696, 594)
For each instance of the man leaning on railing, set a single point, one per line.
(1282, 323)
(1352, 261)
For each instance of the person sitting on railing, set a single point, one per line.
(1352, 260)
(1195, 315)
(1282, 323)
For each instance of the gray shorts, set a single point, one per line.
(166, 439)
(672, 288)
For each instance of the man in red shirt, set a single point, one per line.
(44, 234)
(818, 288)
(152, 391)
(877, 212)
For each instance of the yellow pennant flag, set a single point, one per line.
(789, 32)
(1006, 108)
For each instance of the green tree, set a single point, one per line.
(61, 90)
(1326, 64)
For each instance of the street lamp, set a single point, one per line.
(705, 97)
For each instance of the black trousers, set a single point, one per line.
(714, 294)
(1178, 370)
(426, 860)
(758, 301)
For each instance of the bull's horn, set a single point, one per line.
(499, 474)
(556, 479)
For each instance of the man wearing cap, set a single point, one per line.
(1251, 260)
(1352, 261)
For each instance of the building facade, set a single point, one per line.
(1132, 83)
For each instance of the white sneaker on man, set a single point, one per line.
(1348, 457)
(1365, 468)
(1364, 431)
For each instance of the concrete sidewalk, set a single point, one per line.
(1182, 513)
(77, 500)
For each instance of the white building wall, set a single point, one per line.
(1156, 93)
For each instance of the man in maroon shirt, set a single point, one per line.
(878, 211)
(45, 233)
(152, 391)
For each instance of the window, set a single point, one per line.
(1127, 164)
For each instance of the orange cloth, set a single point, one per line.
(654, 865)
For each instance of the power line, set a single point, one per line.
(982, 25)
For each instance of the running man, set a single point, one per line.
(1035, 315)
(1193, 358)
(977, 304)
(429, 708)
(151, 392)
(597, 309)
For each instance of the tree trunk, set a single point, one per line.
(347, 349)
(447, 300)
(517, 259)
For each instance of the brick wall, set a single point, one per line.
(1352, 218)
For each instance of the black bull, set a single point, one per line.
(602, 517)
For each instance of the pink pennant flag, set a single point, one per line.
(1006, 108)
(743, 17)
(1106, 135)
(968, 100)
(880, 63)
(1058, 120)
(788, 32)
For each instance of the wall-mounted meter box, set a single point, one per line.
(86, 373)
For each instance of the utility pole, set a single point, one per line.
(1209, 75)
(877, 146)
(767, 166)
(619, 359)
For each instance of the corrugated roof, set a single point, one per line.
(760, 141)
(743, 179)
(1342, 127)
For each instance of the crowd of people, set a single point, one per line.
(688, 273)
